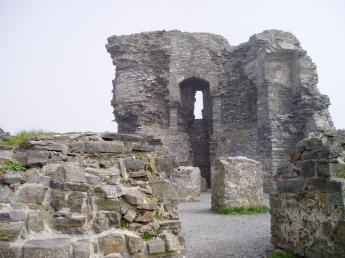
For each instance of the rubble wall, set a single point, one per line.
(88, 195)
(308, 209)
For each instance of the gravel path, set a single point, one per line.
(209, 235)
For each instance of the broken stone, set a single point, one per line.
(130, 215)
(237, 182)
(35, 221)
(32, 158)
(47, 248)
(69, 224)
(75, 201)
(135, 244)
(156, 246)
(134, 197)
(68, 172)
(31, 193)
(100, 223)
(133, 164)
(148, 216)
(165, 189)
(104, 147)
(108, 204)
(111, 243)
(171, 242)
(81, 249)
(111, 191)
(10, 231)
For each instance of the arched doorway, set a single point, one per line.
(198, 129)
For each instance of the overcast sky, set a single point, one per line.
(55, 73)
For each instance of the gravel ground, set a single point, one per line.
(209, 235)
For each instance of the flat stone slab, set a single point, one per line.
(47, 248)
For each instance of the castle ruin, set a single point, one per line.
(259, 98)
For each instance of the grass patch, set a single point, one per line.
(340, 174)
(124, 223)
(147, 235)
(13, 166)
(288, 254)
(23, 137)
(242, 210)
(142, 156)
(151, 176)
(159, 216)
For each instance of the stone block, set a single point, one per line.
(69, 172)
(323, 152)
(31, 193)
(156, 246)
(114, 218)
(104, 147)
(69, 224)
(10, 250)
(35, 222)
(12, 216)
(81, 249)
(133, 164)
(5, 193)
(189, 181)
(75, 201)
(32, 158)
(100, 223)
(332, 185)
(165, 189)
(10, 231)
(308, 168)
(203, 186)
(291, 185)
(111, 243)
(164, 165)
(146, 217)
(134, 244)
(122, 137)
(130, 215)
(134, 197)
(237, 182)
(47, 248)
(108, 204)
(111, 191)
(171, 242)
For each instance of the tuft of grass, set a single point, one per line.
(142, 156)
(147, 235)
(242, 210)
(23, 137)
(159, 216)
(124, 223)
(151, 176)
(13, 166)
(340, 174)
(288, 254)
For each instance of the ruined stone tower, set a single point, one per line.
(259, 98)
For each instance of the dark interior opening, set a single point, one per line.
(199, 130)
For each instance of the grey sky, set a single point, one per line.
(56, 74)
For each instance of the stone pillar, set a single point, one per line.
(237, 182)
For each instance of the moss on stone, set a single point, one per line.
(242, 210)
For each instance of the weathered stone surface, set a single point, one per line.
(130, 215)
(68, 172)
(237, 183)
(32, 158)
(5, 193)
(134, 197)
(69, 224)
(171, 242)
(75, 201)
(123, 137)
(47, 248)
(10, 231)
(111, 243)
(165, 189)
(256, 104)
(203, 187)
(31, 193)
(104, 147)
(164, 165)
(35, 222)
(100, 223)
(307, 212)
(12, 216)
(189, 182)
(108, 204)
(156, 246)
(133, 164)
(81, 249)
(134, 244)
(147, 216)
(111, 191)
(10, 250)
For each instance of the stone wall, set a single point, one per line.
(88, 195)
(260, 98)
(308, 210)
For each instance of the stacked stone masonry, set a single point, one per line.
(260, 98)
(308, 209)
(89, 195)
(237, 182)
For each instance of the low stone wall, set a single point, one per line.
(237, 182)
(88, 195)
(308, 214)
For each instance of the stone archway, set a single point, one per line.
(198, 129)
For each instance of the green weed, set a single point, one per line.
(159, 216)
(242, 210)
(147, 235)
(13, 166)
(23, 137)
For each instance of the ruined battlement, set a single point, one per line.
(259, 98)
